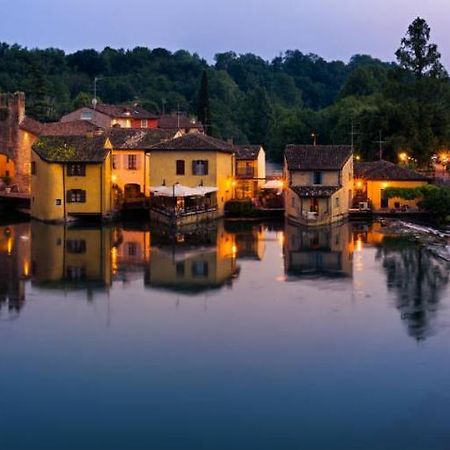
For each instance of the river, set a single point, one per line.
(235, 336)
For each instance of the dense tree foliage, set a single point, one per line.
(249, 99)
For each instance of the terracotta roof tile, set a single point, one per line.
(75, 128)
(138, 138)
(244, 152)
(31, 125)
(123, 112)
(317, 157)
(385, 170)
(71, 149)
(195, 141)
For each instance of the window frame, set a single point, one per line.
(180, 167)
(76, 196)
(79, 172)
(196, 163)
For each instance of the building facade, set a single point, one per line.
(250, 171)
(71, 177)
(319, 182)
(372, 179)
(197, 162)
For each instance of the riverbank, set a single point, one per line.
(435, 240)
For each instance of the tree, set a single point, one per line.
(38, 106)
(203, 107)
(417, 55)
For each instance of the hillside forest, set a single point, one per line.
(293, 98)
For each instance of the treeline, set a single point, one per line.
(252, 100)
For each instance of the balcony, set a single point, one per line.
(245, 172)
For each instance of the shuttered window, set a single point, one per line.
(200, 167)
(132, 162)
(116, 162)
(76, 196)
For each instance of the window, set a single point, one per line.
(132, 162)
(75, 273)
(33, 167)
(115, 162)
(57, 201)
(76, 246)
(86, 115)
(337, 202)
(144, 123)
(200, 269)
(132, 248)
(200, 167)
(76, 170)
(317, 177)
(293, 201)
(180, 166)
(180, 269)
(76, 196)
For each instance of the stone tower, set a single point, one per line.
(12, 112)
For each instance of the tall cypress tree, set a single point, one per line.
(203, 108)
(38, 106)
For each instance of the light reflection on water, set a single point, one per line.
(236, 335)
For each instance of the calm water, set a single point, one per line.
(236, 337)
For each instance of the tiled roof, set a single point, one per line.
(385, 170)
(138, 138)
(195, 141)
(247, 151)
(180, 121)
(123, 112)
(317, 157)
(75, 128)
(31, 125)
(71, 148)
(315, 191)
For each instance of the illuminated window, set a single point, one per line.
(144, 123)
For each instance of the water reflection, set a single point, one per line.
(93, 259)
(193, 262)
(418, 279)
(325, 251)
(14, 266)
(71, 258)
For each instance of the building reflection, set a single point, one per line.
(130, 253)
(14, 265)
(418, 279)
(249, 239)
(193, 262)
(324, 251)
(71, 258)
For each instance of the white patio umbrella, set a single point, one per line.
(273, 184)
(177, 190)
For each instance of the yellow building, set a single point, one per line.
(319, 183)
(371, 180)
(71, 177)
(192, 177)
(131, 166)
(250, 171)
(73, 258)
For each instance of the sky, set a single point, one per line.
(333, 29)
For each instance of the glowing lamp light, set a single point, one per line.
(385, 185)
(357, 157)
(403, 156)
(359, 184)
(114, 178)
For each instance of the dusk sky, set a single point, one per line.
(334, 29)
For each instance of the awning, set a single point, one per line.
(273, 184)
(179, 190)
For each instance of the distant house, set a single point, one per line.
(371, 180)
(179, 122)
(130, 166)
(319, 183)
(250, 170)
(71, 177)
(108, 116)
(191, 177)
